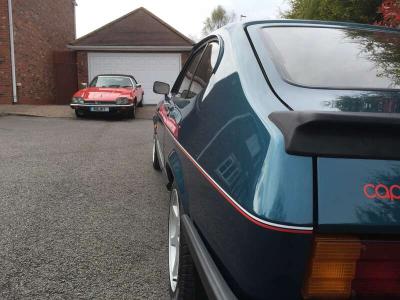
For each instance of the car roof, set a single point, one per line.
(293, 22)
(321, 23)
(116, 75)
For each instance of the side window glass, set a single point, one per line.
(187, 79)
(204, 70)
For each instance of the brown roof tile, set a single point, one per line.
(137, 28)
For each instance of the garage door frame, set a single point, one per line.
(143, 64)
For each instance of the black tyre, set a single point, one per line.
(156, 162)
(131, 114)
(79, 113)
(140, 104)
(185, 283)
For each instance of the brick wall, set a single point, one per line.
(82, 61)
(41, 27)
(5, 67)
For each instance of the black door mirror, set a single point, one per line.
(161, 88)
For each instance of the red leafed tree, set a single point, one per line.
(390, 13)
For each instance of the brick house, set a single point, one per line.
(139, 44)
(41, 28)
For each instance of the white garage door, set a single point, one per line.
(145, 67)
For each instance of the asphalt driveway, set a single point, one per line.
(83, 214)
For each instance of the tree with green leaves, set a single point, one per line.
(360, 11)
(219, 17)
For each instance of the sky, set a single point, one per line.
(187, 16)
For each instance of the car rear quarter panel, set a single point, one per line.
(251, 202)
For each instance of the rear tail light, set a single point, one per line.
(344, 267)
(332, 268)
(378, 270)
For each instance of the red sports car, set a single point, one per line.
(109, 94)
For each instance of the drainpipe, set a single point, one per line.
(13, 76)
(75, 4)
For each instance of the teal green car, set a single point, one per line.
(280, 145)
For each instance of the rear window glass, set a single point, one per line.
(335, 58)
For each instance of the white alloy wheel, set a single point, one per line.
(174, 237)
(154, 150)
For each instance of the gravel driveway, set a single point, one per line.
(83, 214)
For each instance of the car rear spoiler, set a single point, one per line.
(340, 134)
